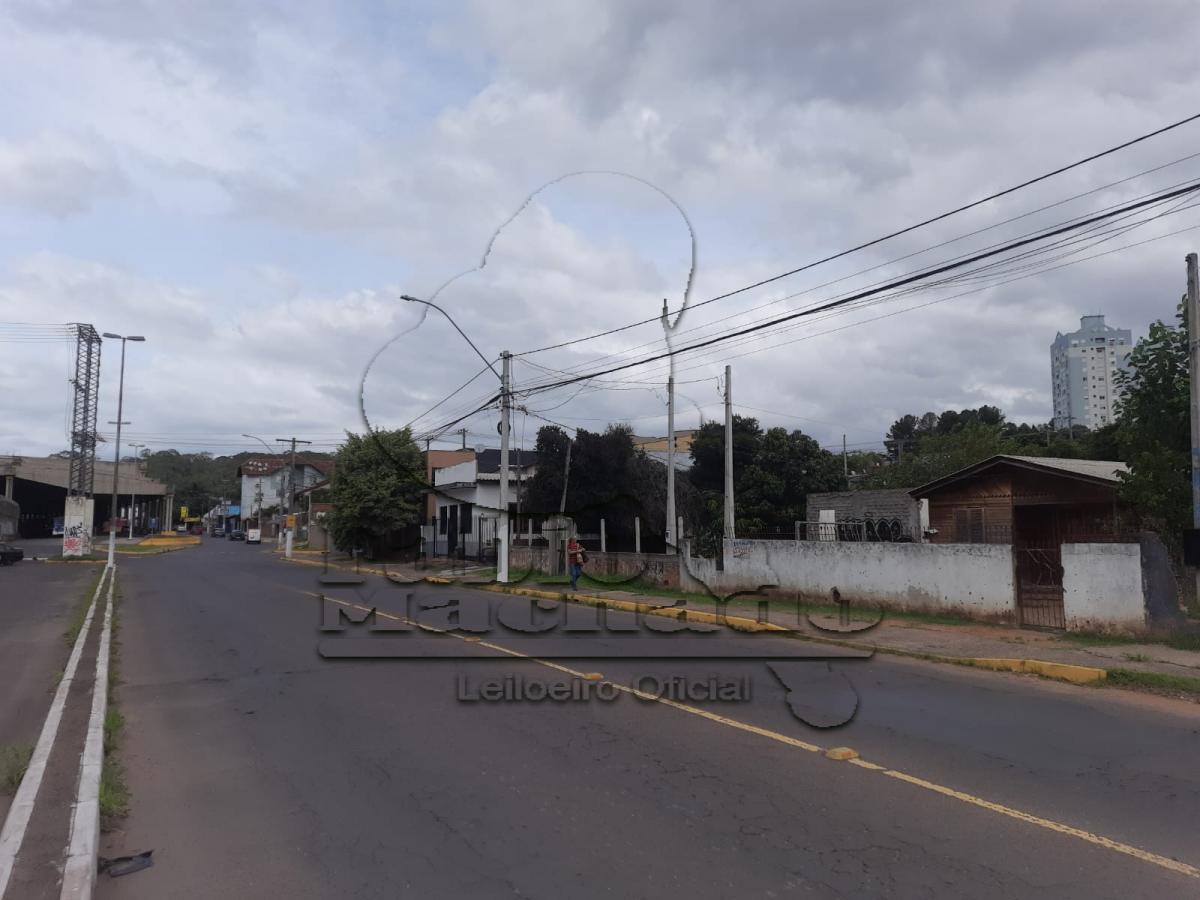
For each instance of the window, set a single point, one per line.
(968, 525)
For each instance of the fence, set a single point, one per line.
(883, 530)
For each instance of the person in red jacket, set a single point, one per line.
(576, 557)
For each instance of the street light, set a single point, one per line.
(112, 517)
(133, 493)
(505, 377)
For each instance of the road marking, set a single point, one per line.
(79, 869)
(1164, 862)
(21, 810)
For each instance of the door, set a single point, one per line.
(1040, 587)
(1037, 557)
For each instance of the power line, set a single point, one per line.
(707, 326)
(901, 282)
(887, 237)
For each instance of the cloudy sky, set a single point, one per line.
(252, 186)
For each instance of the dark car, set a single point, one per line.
(10, 554)
(237, 535)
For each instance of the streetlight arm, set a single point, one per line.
(486, 361)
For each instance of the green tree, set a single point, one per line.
(376, 488)
(708, 452)
(772, 492)
(940, 454)
(1154, 429)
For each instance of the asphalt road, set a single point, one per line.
(259, 768)
(36, 604)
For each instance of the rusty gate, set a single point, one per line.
(1039, 582)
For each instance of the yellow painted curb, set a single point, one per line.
(1061, 671)
(841, 753)
(737, 623)
(170, 542)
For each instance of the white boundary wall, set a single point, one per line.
(971, 579)
(1102, 586)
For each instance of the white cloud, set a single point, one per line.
(254, 185)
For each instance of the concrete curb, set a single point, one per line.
(1058, 671)
(15, 824)
(79, 868)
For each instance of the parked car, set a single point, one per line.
(218, 531)
(10, 554)
(236, 534)
(253, 536)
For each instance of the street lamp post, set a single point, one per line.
(112, 517)
(505, 377)
(137, 448)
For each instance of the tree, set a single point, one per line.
(1154, 429)
(708, 452)
(940, 454)
(773, 490)
(376, 488)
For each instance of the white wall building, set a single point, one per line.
(467, 500)
(272, 476)
(1083, 368)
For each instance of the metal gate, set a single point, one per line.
(1039, 575)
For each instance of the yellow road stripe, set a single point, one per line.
(1098, 840)
(1095, 839)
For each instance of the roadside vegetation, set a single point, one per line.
(114, 793)
(79, 611)
(14, 760)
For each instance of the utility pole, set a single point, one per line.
(463, 433)
(728, 530)
(291, 495)
(670, 533)
(562, 509)
(1193, 316)
(112, 515)
(133, 492)
(502, 531)
(845, 459)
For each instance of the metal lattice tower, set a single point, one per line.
(83, 418)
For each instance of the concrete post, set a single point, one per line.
(603, 543)
(637, 535)
(1193, 315)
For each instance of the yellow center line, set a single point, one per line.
(1058, 827)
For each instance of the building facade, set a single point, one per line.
(1083, 369)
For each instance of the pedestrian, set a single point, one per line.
(576, 557)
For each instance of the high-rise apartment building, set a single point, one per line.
(1083, 368)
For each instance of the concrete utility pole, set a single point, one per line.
(1193, 314)
(670, 535)
(729, 530)
(112, 514)
(502, 531)
(291, 496)
(845, 459)
(133, 493)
